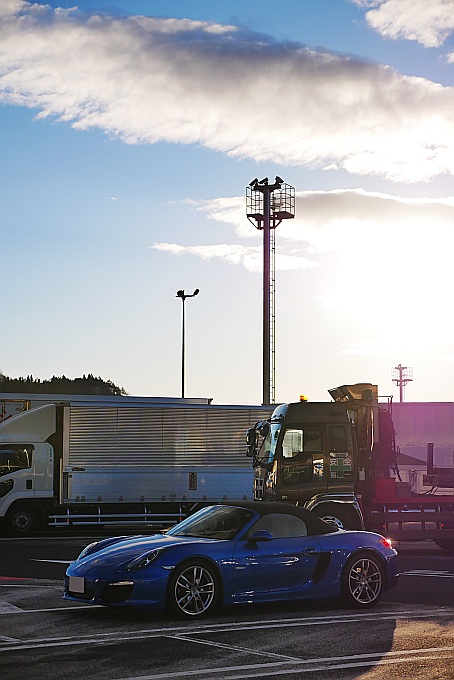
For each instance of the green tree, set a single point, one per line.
(61, 385)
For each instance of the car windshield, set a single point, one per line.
(219, 522)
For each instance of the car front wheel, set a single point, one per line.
(193, 590)
(363, 581)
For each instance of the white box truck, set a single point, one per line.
(121, 460)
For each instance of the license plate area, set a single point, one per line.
(77, 584)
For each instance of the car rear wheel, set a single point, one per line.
(363, 581)
(193, 590)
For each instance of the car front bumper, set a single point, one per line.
(124, 590)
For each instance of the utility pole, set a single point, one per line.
(266, 206)
(401, 376)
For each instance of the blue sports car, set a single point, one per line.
(231, 554)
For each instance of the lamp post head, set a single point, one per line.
(181, 294)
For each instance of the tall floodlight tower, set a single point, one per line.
(266, 206)
(401, 376)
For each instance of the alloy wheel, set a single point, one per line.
(365, 581)
(194, 590)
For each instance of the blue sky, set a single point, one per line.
(129, 130)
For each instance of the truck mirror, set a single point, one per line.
(264, 429)
(251, 436)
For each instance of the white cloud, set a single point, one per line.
(379, 261)
(230, 210)
(327, 220)
(146, 80)
(429, 22)
(250, 257)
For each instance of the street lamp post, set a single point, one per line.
(181, 294)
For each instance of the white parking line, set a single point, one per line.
(233, 648)
(311, 665)
(427, 572)
(53, 561)
(80, 607)
(148, 633)
(8, 608)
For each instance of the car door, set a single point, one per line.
(268, 569)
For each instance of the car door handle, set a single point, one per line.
(308, 551)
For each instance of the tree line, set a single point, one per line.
(88, 384)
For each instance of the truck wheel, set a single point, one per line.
(341, 517)
(446, 544)
(193, 590)
(363, 581)
(21, 520)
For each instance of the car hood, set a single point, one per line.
(125, 549)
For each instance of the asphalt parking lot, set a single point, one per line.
(410, 634)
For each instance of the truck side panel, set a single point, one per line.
(136, 437)
(199, 484)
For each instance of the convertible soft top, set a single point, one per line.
(315, 525)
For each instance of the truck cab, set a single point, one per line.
(311, 454)
(306, 450)
(26, 468)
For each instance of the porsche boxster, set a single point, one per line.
(230, 554)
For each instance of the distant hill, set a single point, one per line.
(88, 384)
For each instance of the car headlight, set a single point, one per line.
(142, 560)
(88, 549)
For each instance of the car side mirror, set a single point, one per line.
(261, 536)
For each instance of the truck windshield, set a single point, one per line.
(13, 458)
(268, 448)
